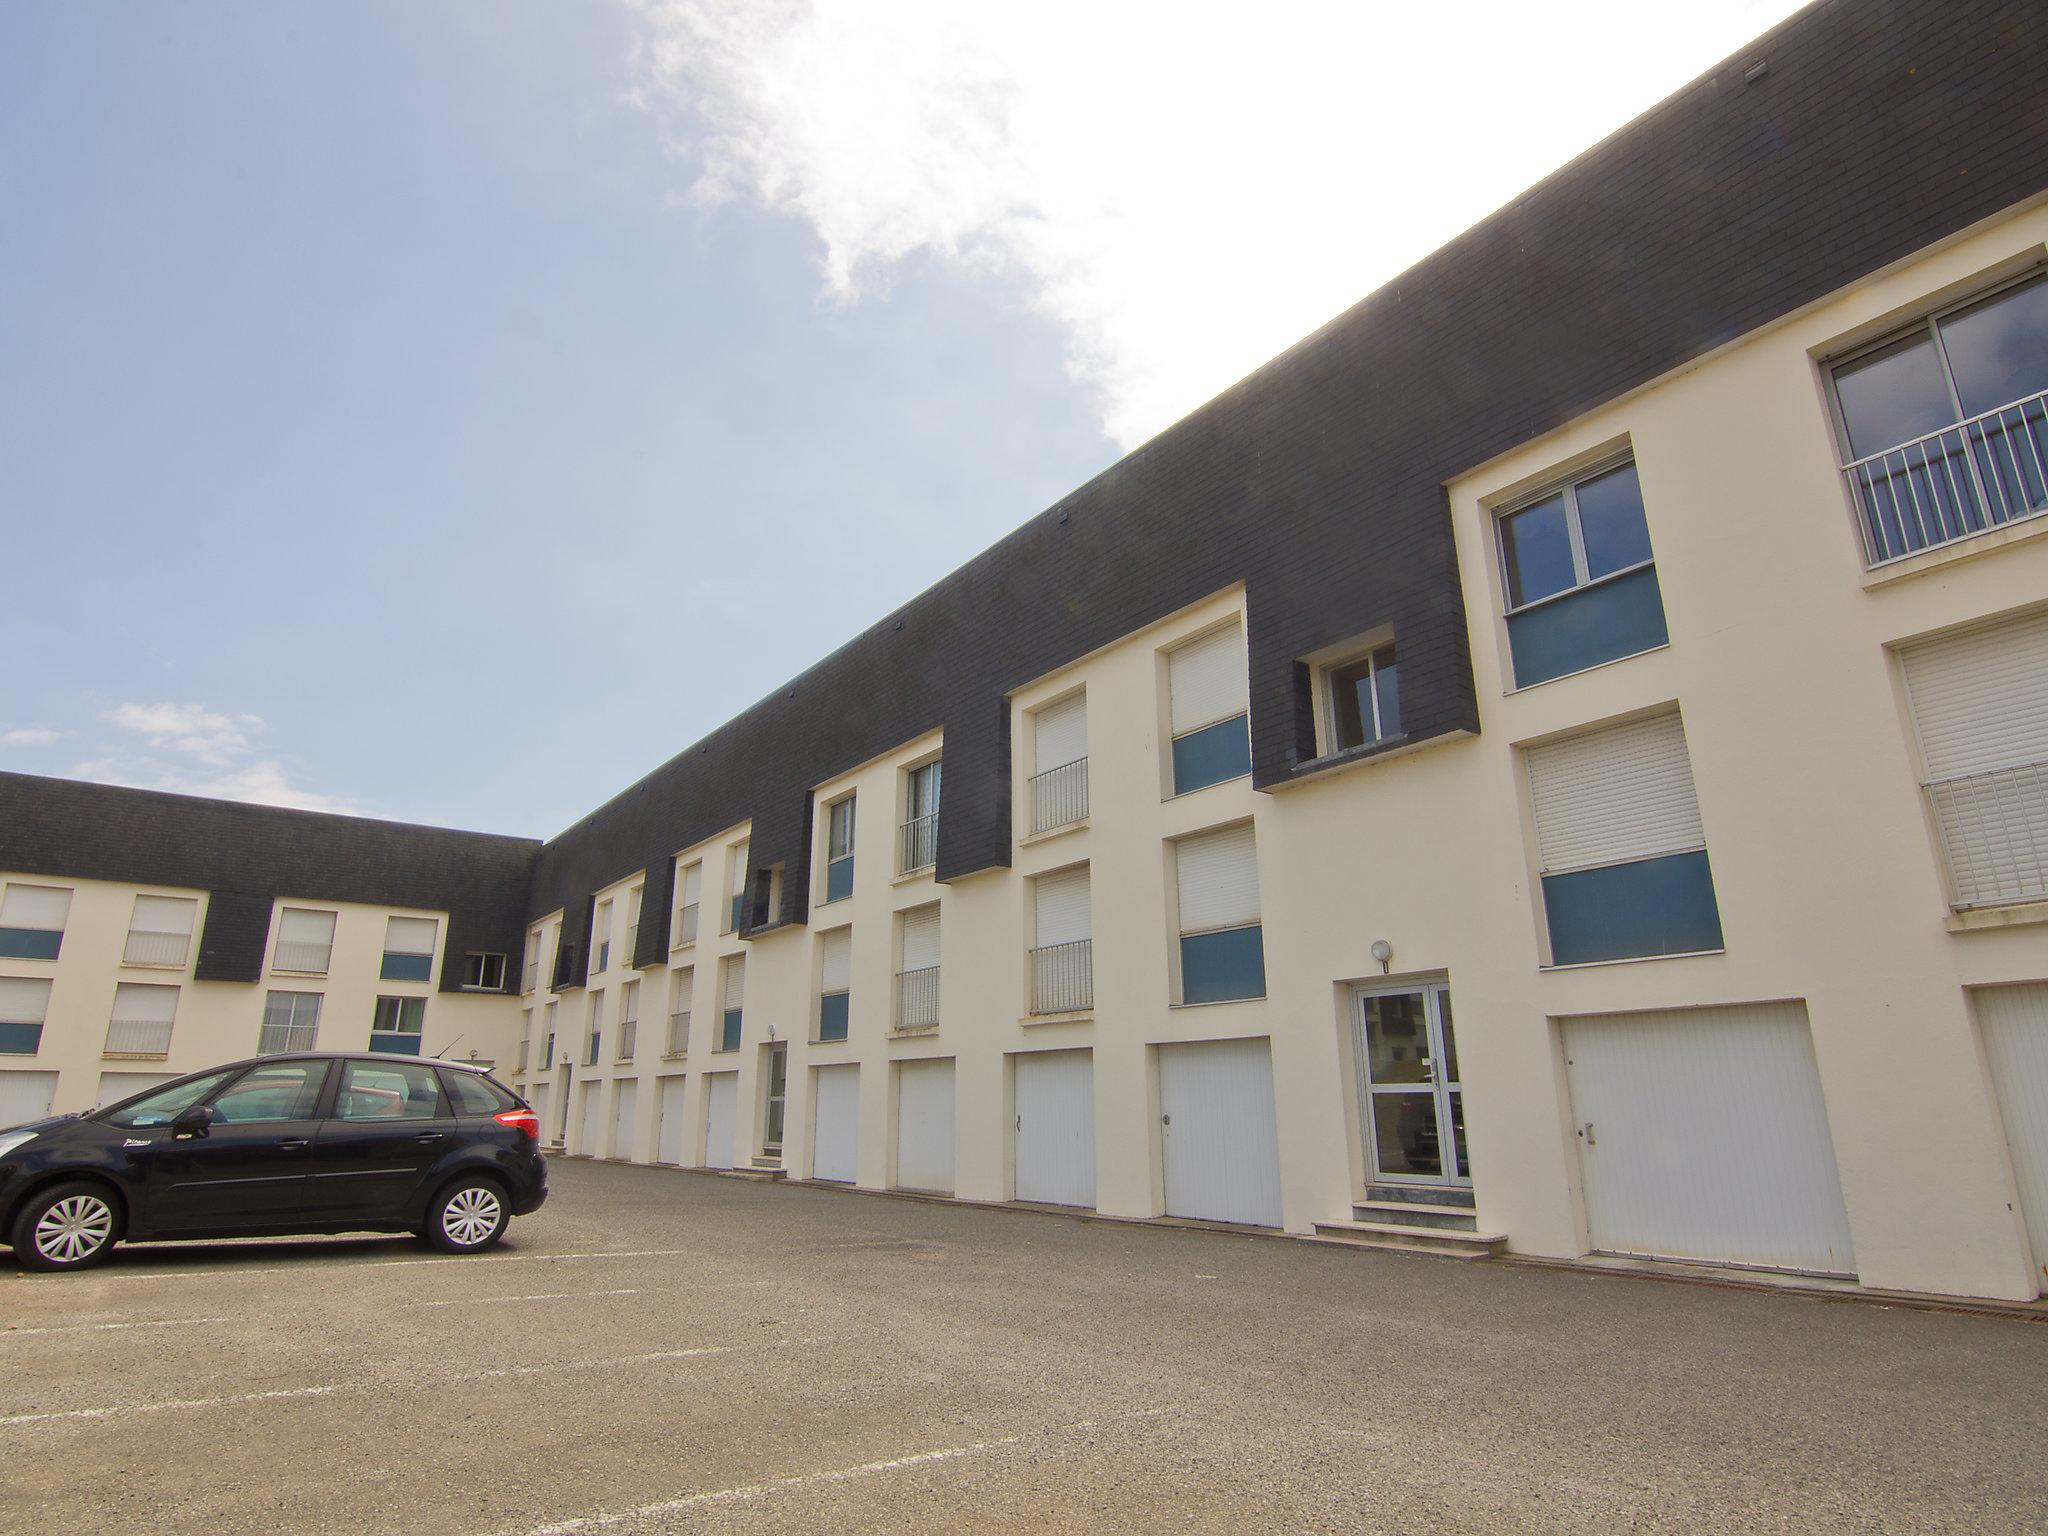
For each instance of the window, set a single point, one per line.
(547, 1054)
(142, 1019)
(601, 939)
(1980, 708)
(167, 1103)
(160, 931)
(398, 1024)
(839, 849)
(633, 898)
(305, 941)
(1211, 723)
(687, 884)
(594, 1034)
(24, 1004)
(525, 1039)
(1063, 960)
(284, 1090)
(474, 1095)
(1362, 701)
(629, 1021)
(408, 949)
(681, 987)
(1222, 944)
(733, 992)
(32, 921)
(483, 972)
(291, 1022)
(396, 1090)
(736, 889)
(1581, 585)
(1623, 855)
(920, 849)
(835, 984)
(529, 969)
(1945, 424)
(917, 977)
(1059, 764)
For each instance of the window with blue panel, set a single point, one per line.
(839, 879)
(20, 1039)
(1660, 906)
(832, 1014)
(407, 967)
(1212, 754)
(729, 1031)
(739, 907)
(1223, 966)
(30, 943)
(1581, 585)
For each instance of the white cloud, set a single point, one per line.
(30, 736)
(1185, 186)
(192, 729)
(204, 752)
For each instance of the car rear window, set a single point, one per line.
(476, 1095)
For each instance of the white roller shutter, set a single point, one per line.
(1614, 795)
(693, 880)
(838, 960)
(669, 1137)
(921, 939)
(303, 925)
(1062, 903)
(140, 1003)
(681, 988)
(587, 1127)
(1206, 679)
(1980, 705)
(1059, 734)
(924, 1126)
(622, 1119)
(1219, 1136)
(721, 1119)
(25, 1096)
(23, 999)
(1217, 875)
(2015, 1025)
(739, 870)
(165, 914)
(835, 1100)
(43, 907)
(408, 935)
(735, 982)
(116, 1086)
(1055, 1127)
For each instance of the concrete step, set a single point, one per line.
(765, 1174)
(1402, 1213)
(1457, 1195)
(1389, 1235)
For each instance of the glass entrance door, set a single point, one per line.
(778, 1091)
(1413, 1107)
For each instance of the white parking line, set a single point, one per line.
(480, 1258)
(484, 1301)
(14, 1419)
(167, 1322)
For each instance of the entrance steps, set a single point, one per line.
(1412, 1220)
(767, 1170)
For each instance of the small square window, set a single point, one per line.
(1364, 701)
(483, 972)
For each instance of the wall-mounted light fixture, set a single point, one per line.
(1383, 952)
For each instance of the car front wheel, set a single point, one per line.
(469, 1216)
(70, 1226)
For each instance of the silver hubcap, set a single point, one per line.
(471, 1216)
(75, 1228)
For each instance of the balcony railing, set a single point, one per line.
(920, 845)
(629, 1033)
(146, 947)
(1063, 977)
(1963, 480)
(138, 1037)
(1994, 832)
(686, 924)
(279, 1038)
(678, 1042)
(592, 1046)
(632, 939)
(917, 998)
(524, 1047)
(307, 955)
(1059, 796)
(529, 975)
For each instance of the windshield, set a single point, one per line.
(161, 1107)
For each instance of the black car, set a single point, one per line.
(276, 1146)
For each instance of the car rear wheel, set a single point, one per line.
(69, 1226)
(470, 1215)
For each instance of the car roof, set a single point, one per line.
(375, 1056)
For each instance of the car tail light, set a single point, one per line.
(521, 1119)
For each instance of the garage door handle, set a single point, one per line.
(1166, 1119)
(1588, 1134)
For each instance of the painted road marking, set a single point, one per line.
(478, 1258)
(168, 1322)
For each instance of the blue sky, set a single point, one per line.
(389, 391)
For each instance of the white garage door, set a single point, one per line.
(924, 1126)
(587, 1127)
(1056, 1127)
(1219, 1143)
(835, 1123)
(721, 1118)
(116, 1086)
(1702, 1135)
(2015, 1025)
(622, 1119)
(537, 1095)
(25, 1096)
(670, 1136)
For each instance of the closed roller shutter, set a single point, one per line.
(2015, 1025)
(43, 907)
(721, 1119)
(921, 939)
(1055, 1127)
(1206, 680)
(835, 1098)
(739, 870)
(165, 914)
(25, 1096)
(588, 1129)
(735, 983)
(116, 1086)
(693, 881)
(24, 1000)
(1062, 908)
(838, 960)
(1613, 795)
(409, 935)
(669, 1135)
(622, 1119)
(1059, 734)
(1219, 1137)
(1217, 875)
(924, 1126)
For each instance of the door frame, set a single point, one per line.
(1433, 990)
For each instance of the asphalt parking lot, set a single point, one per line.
(663, 1351)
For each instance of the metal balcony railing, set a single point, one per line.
(629, 1032)
(1059, 796)
(278, 1038)
(1994, 834)
(917, 998)
(592, 1046)
(138, 1037)
(1962, 480)
(146, 947)
(686, 924)
(524, 1047)
(1063, 977)
(920, 845)
(632, 939)
(678, 1043)
(529, 976)
(307, 955)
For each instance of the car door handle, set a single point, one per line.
(427, 1138)
(293, 1144)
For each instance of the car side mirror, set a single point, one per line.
(192, 1122)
